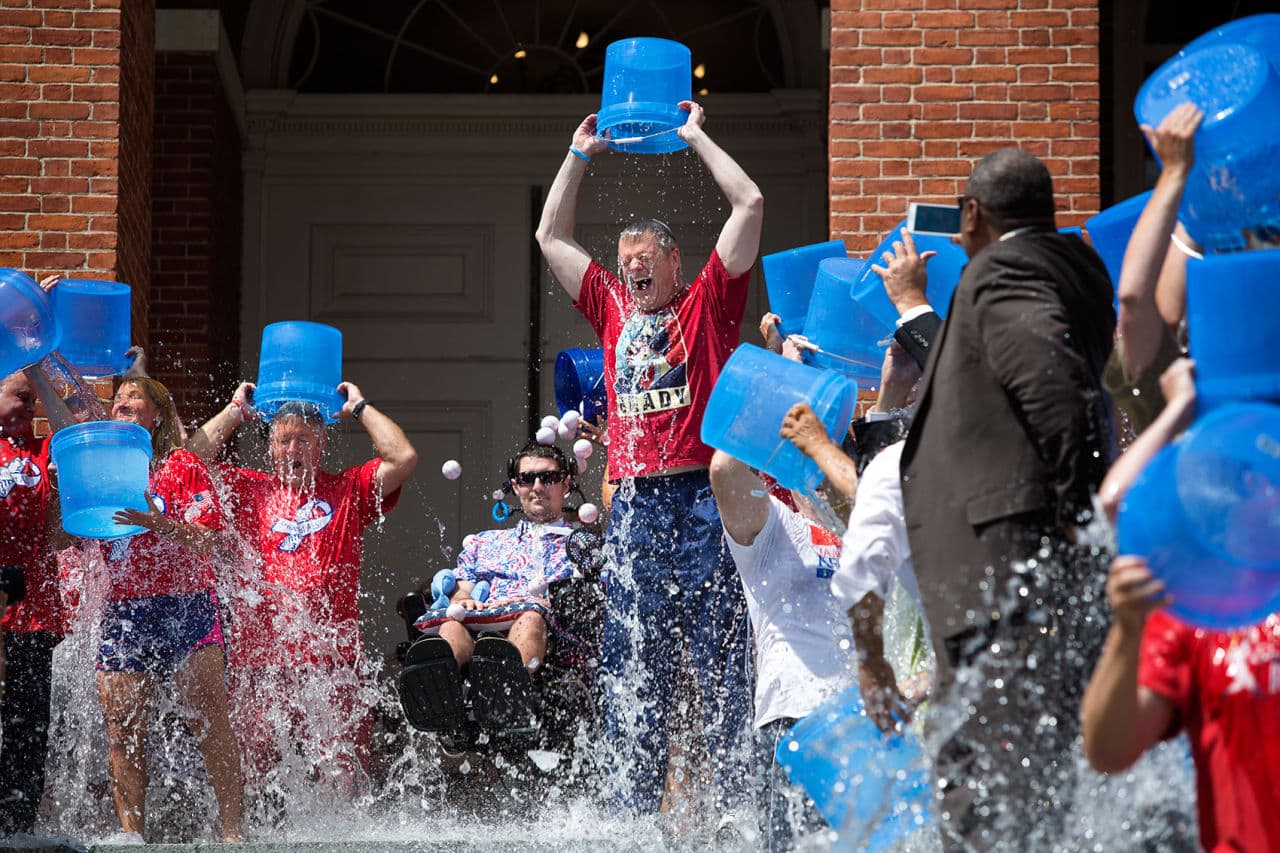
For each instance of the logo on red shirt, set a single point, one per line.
(19, 471)
(312, 517)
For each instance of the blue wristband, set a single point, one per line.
(580, 154)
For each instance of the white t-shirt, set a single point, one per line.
(804, 649)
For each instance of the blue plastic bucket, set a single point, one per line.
(28, 327)
(1233, 185)
(755, 390)
(94, 319)
(299, 362)
(1260, 31)
(1233, 324)
(788, 279)
(873, 788)
(1110, 230)
(644, 79)
(944, 271)
(1208, 590)
(103, 467)
(849, 336)
(580, 382)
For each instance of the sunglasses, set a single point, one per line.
(549, 478)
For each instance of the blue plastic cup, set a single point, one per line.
(1233, 324)
(644, 80)
(1110, 230)
(755, 390)
(944, 271)
(580, 382)
(299, 362)
(94, 318)
(788, 279)
(103, 467)
(850, 338)
(28, 327)
(1233, 185)
(1208, 590)
(871, 787)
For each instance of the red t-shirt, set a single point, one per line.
(299, 605)
(152, 564)
(24, 497)
(1225, 689)
(659, 366)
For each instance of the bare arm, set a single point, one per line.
(210, 438)
(54, 408)
(389, 441)
(1122, 720)
(567, 259)
(739, 241)
(1150, 256)
(742, 512)
(1179, 388)
(883, 701)
(802, 428)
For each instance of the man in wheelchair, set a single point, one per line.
(510, 642)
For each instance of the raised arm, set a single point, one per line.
(742, 511)
(1178, 384)
(802, 428)
(567, 259)
(389, 441)
(1121, 719)
(210, 438)
(1150, 256)
(739, 241)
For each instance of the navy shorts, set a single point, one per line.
(157, 633)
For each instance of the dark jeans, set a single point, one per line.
(785, 810)
(671, 583)
(25, 712)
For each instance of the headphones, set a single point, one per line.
(569, 466)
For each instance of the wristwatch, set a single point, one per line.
(358, 409)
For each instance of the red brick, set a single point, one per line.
(68, 37)
(18, 240)
(941, 56)
(59, 110)
(891, 37)
(892, 75)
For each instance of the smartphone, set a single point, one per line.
(943, 219)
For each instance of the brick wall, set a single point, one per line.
(921, 89)
(62, 99)
(195, 234)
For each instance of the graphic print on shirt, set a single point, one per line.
(827, 546)
(312, 517)
(650, 364)
(1250, 664)
(18, 471)
(120, 547)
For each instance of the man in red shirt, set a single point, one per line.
(297, 673)
(33, 626)
(671, 581)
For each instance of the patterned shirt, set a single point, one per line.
(517, 561)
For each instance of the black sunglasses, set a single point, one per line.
(549, 478)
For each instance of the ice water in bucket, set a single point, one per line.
(1233, 324)
(753, 394)
(103, 467)
(28, 328)
(1234, 185)
(1109, 232)
(644, 80)
(1157, 521)
(849, 338)
(94, 319)
(871, 787)
(943, 269)
(300, 362)
(580, 382)
(788, 279)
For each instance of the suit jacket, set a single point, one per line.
(917, 334)
(1011, 434)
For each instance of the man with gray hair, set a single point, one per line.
(1011, 437)
(670, 580)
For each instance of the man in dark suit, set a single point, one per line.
(1010, 438)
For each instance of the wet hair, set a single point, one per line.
(661, 232)
(166, 436)
(534, 450)
(309, 413)
(1014, 189)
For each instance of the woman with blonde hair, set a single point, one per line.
(161, 616)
